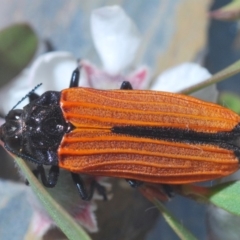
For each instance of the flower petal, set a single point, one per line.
(13, 92)
(92, 76)
(40, 225)
(139, 79)
(53, 69)
(115, 38)
(95, 77)
(183, 76)
(87, 218)
(178, 78)
(67, 196)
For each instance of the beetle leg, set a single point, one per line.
(75, 78)
(33, 96)
(134, 183)
(126, 85)
(51, 180)
(82, 189)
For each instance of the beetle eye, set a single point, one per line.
(11, 128)
(14, 142)
(14, 114)
(11, 134)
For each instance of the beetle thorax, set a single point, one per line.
(35, 132)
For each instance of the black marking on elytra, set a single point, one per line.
(226, 140)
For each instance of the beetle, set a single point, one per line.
(139, 135)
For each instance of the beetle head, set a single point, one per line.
(11, 130)
(35, 133)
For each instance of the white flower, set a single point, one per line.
(66, 194)
(115, 37)
(53, 69)
(184, 76)
(117, 41)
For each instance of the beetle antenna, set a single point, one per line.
(27, 95)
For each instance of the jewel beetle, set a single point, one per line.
(139, 135)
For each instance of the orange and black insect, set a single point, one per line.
(143, 136)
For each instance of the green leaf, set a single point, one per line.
(231, 101)
(18, 44)
(63, 220)
(177, 226)
(225, 195)
(229, 71)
